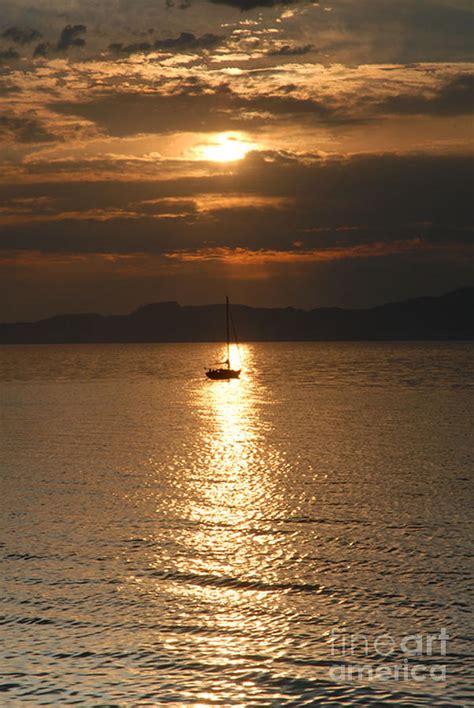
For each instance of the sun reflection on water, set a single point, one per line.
(233, 484)
(219, 576)
(231, 563)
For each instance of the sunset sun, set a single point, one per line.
(227, 147)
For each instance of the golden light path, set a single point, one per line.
(225, 147)
(231, 561)
(233, 493)
(217, 568)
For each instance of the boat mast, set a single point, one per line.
(227, 329)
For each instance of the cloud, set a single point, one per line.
(193, 99)
(186, 41)
(8, 55)
(354, 32)
(453, 97)
(270, 202)
(307, 231)
(24, 129)
(287, 50)
(249, 257)
(21, 35)
(71, 37)
(197, 107)
(244, 5)
(403, 31)
(124, 173)
(42, 49)
(9, 89)
(138, 47)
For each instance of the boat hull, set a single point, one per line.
(223, 374)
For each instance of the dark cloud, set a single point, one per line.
(455, 97)
(21, 35)
(186, 41)
(381, 225)
(7, 89)
(138, 203)
(326, 204)
(242, 5)
(138, 47)
(382, 31)
(287, 50)
(129, 114)
(24, 129)
(288, 88)
(9, 55)
(71, 37)
(42, 49)
(194, 109)
(199, 107)
(252, 4)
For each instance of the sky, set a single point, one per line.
(287, 153)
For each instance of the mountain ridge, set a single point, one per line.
(443, 317)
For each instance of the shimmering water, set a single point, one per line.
(172, 540)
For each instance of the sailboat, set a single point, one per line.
(225, 372)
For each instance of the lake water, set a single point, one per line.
(169, 540)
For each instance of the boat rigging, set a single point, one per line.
(225, 372)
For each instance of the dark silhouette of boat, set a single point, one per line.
(224, 373)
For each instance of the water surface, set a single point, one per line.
(173, 540)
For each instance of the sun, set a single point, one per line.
(226, 147)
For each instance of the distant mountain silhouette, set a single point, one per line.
(449, 316)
